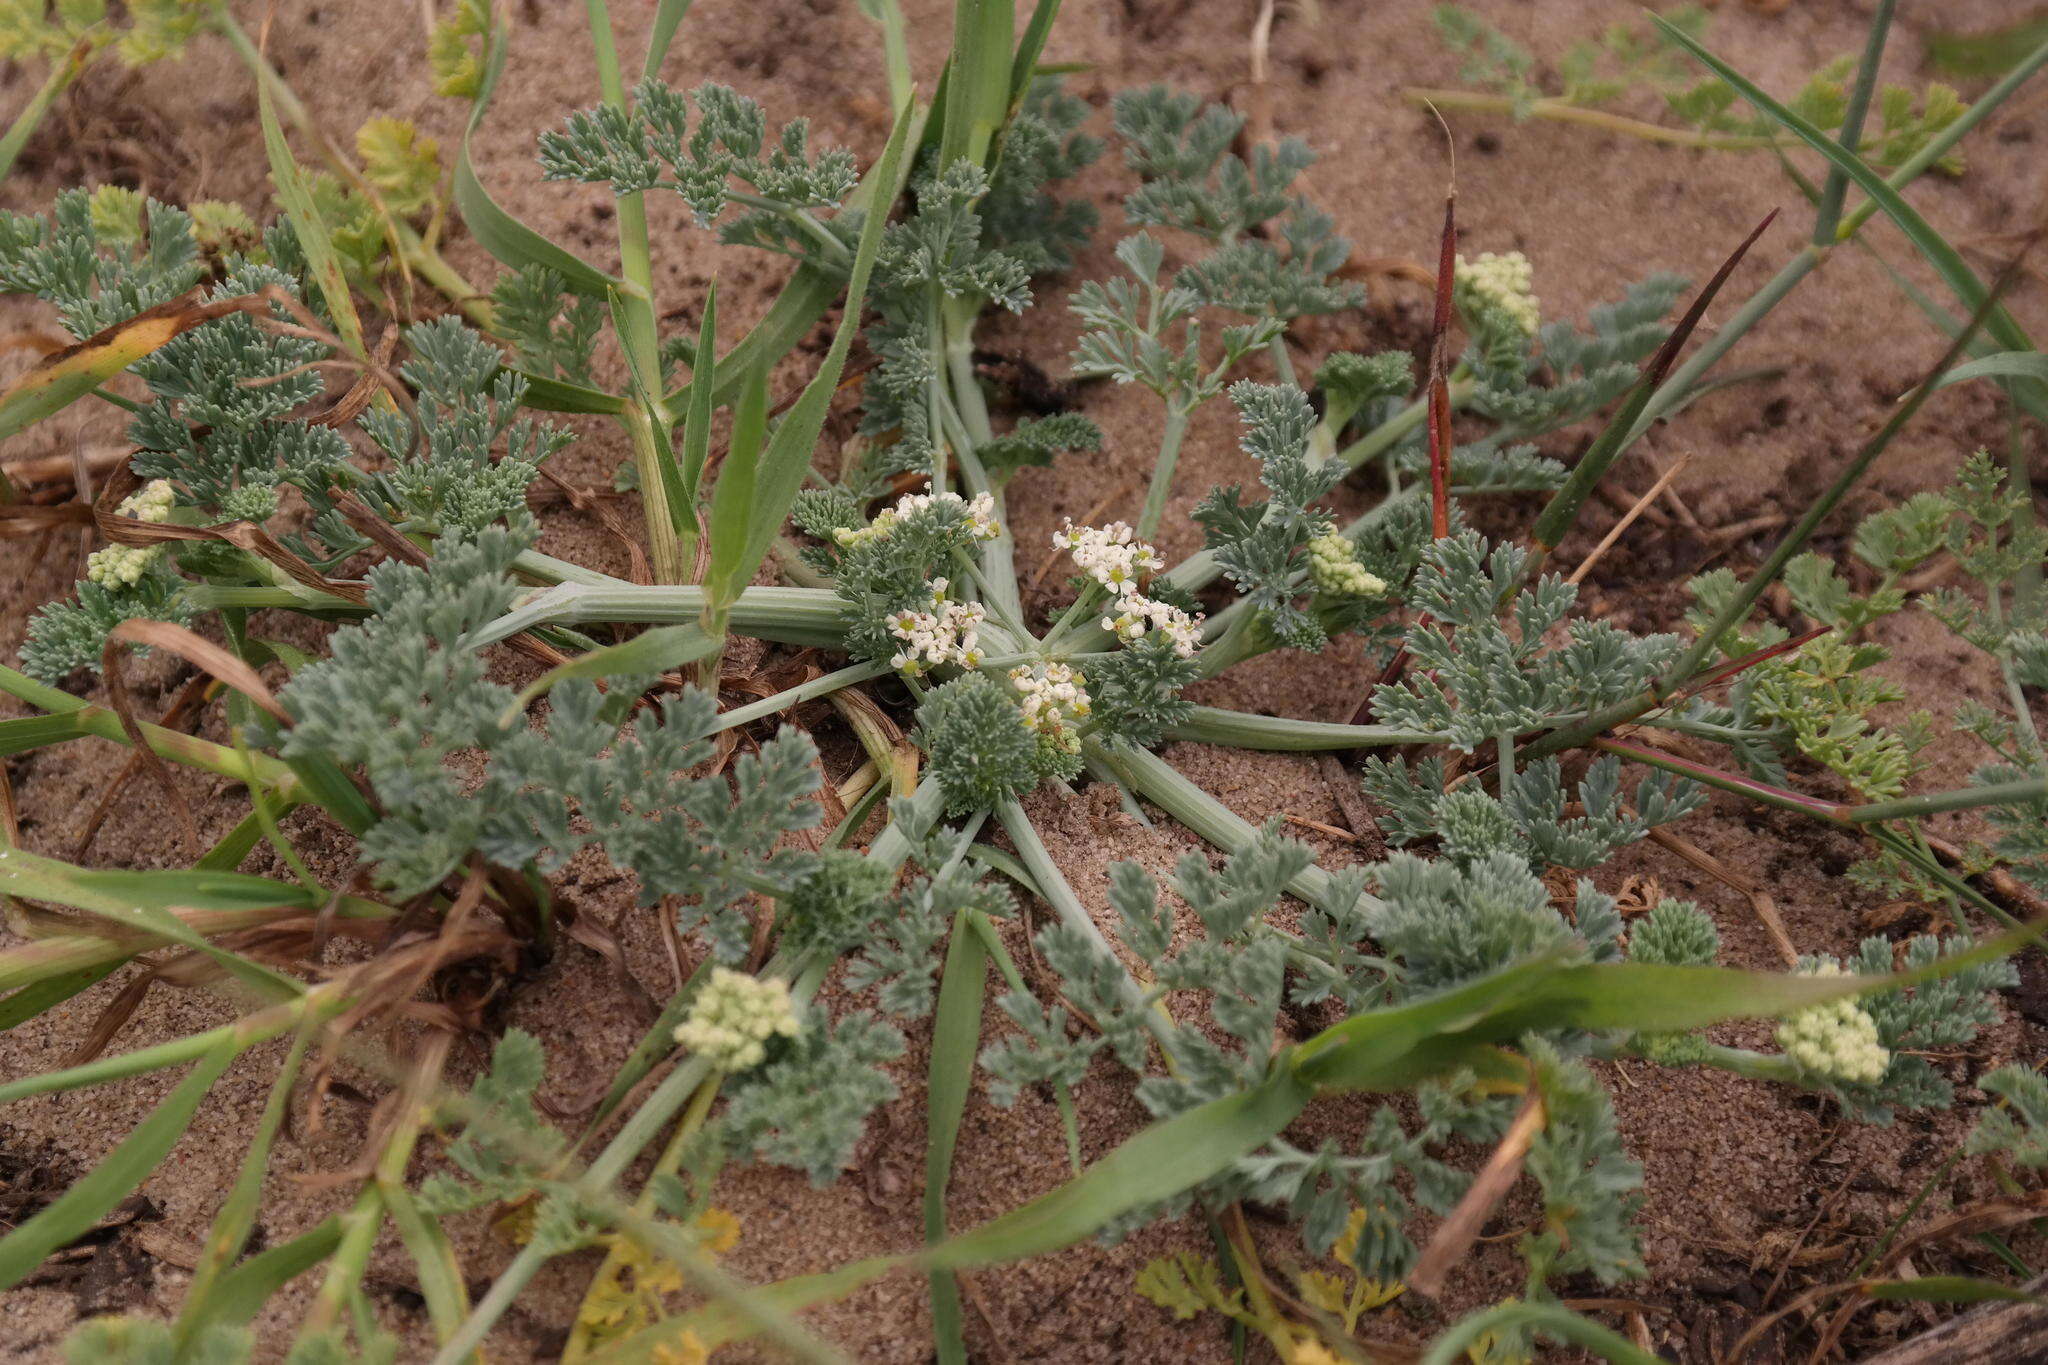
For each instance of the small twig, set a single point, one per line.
(1628, 518)
(1759, 900)
(1455, 1237)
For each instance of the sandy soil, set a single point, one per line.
(1739, 1174)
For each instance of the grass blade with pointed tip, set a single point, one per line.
(1465, 1334)
(1946, 260)
(2003, 365)
(557, 395)
(1946, 1289)
(297, 199)
(1562, 512)
(244, 1290)
(652, 651)
(787, 457)
(703, 398)
(79, 1209)
(735, 500)
(512, 242)
(62, 379)
(33, 999)
(1439, 388)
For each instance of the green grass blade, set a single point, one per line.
(1157, 1164)
(956, 1037)
(296, 196)
(1946, 1289)
(703, 402)
(254, 1029)
(557, 395)
(238, 1211)
(788, 455)
(63, 72)
(31, 1000)
(658, 1042)
(20, 735)
(1945, 259)
(512, 242)
(2003, 365)
(977, 79)
(652, 651)
(1024, 69)
(735, 501)
(668, 17)
(244, 1290)
(1547, 1318)
(433, 1256)
(79, 1209)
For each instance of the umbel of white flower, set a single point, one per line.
(1505, 281)
(121, 566)
(1334, 568)
(941, 631)
(979, 512)
(733, 1018)
(1112, 555)
(1837, 1040)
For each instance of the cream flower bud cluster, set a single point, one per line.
(124, 565)
(1507, 282)
(942, 631)
(1111, 555)
(1138, 616)
(980, 512)
(733, 1018)
(1837, 1039)
(1051, 696)
(1334, 568)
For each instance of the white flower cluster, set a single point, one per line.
(1139, 615)
(1110, 554)
(1837, 1039)
(980, 512)
(942, 631)
(733, 1018)
(1507, 282)
(1334, 568)
(1051, 695)
(124, 565)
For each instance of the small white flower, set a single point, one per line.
(1052, 696)
(1837, 1039)
(1139, 616)
(1110, 554)
(124, 565)
(942, 632)
(734, 1016)
(1506, 282)
(1334, 568)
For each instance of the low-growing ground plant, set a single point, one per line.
(1471, 985)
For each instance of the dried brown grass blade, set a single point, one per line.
(122, 704)
(1459, 1231)
(204, 654)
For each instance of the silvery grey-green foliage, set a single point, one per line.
(69, 635)
(978, 748)
(1262, 546)
(2016, 1129)
(552, 333)
(1947, 1012)
(808, 1105)
(506, 1148)
(1439, 926)
(1041, 145)
(1586, 370)
(443, 474)
(1675, 934)
(405, 691)
(878, 575)
(1147, 331)
(95, 283)
(1474, 679)
(1135, 693)
(653, 145)
(1191, 180)
(1528, 817)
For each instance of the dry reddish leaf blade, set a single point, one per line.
(67, 375)
(1459, 1231)
(204, 654)
(1439, 382)
(123, 706)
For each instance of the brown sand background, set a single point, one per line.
(1736, 1172)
